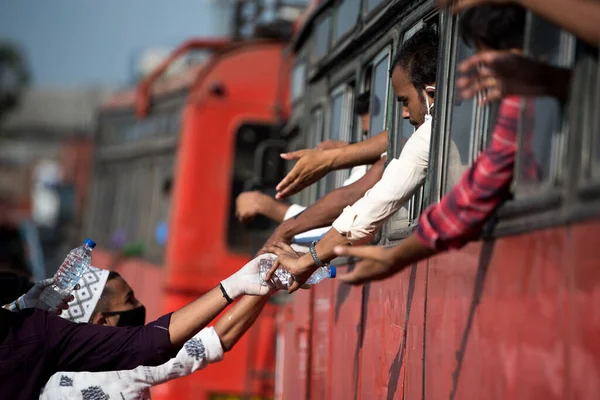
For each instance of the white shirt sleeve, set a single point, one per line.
(293, 210)
(401, 179)
(196, 353)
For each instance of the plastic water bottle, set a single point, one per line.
(286, 279)
(70, 272)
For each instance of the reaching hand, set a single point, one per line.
(376, 264)
(293, 262)
(278, 236)
(496, 74)
(249, 205)
(460, 5)
(31, 299)
(312, 165)
(246, 281)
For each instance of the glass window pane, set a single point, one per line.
(298, 81)
(322, 38)
(335, 133)
(379, 97)
(346, 17)
(371, 4)
(461, 127)
(597, 122)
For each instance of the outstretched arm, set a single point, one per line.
(313, 164)
(581, 17)
(327, 208)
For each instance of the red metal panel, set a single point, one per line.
(384, 344)
(584, 313)
(346, 345)
(321, 341)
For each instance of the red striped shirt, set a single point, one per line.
(463, 211)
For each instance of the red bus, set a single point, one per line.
(513, 315)
(209, 133)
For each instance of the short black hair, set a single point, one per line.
(361, 106)
(418, 57)
(500, 27)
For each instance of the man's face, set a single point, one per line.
(121, 298)
(413, 104)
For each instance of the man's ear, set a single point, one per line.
(98, 319)
(430, 89)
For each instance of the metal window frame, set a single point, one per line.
(386, 52)
(393, 232)
(545, 207)
(314, 58)
(352, 29)
(297, 99)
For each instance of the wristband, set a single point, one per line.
(229, 299)
(315, 258)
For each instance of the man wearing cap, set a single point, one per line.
(35, 344)
(105, 298)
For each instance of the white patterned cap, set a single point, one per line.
(86, 298)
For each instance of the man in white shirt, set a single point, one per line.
(251, 204)
(413, 80)
(104, 298)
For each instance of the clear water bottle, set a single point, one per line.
(285, 279)
(70, 272)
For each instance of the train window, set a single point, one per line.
(543, 123)
(342, 101)
(346, 17)
(596, 130)
(316, 129)
(298, 81)
(462, 127)
(322, 38)
(241, 238)
(372, 4)
(379, 92)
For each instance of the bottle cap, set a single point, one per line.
(89, 243)
(332, 271)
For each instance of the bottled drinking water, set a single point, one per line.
(285, 278)
(72, 269)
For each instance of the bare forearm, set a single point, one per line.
(236, 321)
(273, 209)
(330, 206)
(408, 252)
(581, 17)
(365, 152)
(189, 320)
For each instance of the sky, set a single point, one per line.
(70, 43)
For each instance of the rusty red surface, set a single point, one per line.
(517, 318)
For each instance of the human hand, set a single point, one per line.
(248, 205)
(377, 263)
(31, 299)
(331, 144)
(279, 235)
(312, 165)
(497, 74)
(297, 264)
(460, 5)
(246, 281)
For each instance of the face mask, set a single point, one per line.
(131, 318)
(428, 117)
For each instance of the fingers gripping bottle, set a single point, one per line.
(70, 272)
(285, 278)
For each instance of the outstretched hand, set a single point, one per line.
(377, 263)
(291, 261)
(496, 74)
(31, 299)
(312, 165)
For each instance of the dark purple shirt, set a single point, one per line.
(34, 345)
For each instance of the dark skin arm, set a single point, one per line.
(327, 208)
(313, 164)
(236, 321)
(378, 263)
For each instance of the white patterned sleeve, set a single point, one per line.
(203, 349)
